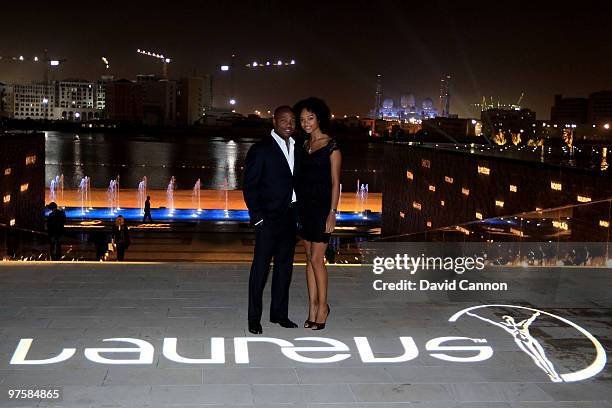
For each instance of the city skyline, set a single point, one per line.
(339, 50)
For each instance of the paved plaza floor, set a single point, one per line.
(184, 324)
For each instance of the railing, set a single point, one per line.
(570, 235)
(22, 243)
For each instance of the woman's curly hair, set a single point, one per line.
(316, 106)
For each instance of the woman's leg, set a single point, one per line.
(311, 283)
(120, 253)
(320, 271)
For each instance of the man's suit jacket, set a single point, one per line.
(268, 183)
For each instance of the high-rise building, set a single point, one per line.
(75, 100)
(6, 101)
(445, 96)
(378, 98)
(192, 98)
(33, 101)
(600, 108)
(101, 85)
(508, 122)
(568, 111)
(159, 100)
(124, 101)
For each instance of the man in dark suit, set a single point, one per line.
(268, 188)
(55, 229)
(147, 210)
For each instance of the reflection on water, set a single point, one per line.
(187, 157)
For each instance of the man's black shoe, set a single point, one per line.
(255, 328)
(286, 323)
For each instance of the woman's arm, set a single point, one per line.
(336, 164)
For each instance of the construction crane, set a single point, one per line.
(517, 105)
(164, 59)
(46, 60)
(253, 65)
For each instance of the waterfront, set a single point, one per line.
(211, 159)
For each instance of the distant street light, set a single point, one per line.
(607, 126)
(232, 102)
(225, 68)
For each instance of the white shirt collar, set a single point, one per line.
(280, 139)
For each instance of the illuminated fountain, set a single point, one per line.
(142, 194)
(226, 188)
(112, 195)
(61, 188)
(52, 190)
(195, 196)
(170, 194)
(362, 194)
(84, 196)
(56, 190)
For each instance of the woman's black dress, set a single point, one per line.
(314, 191)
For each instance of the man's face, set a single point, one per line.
(284, 123)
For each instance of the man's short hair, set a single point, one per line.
(52, 206)
(281, 109)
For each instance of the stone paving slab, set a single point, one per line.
(78, 305)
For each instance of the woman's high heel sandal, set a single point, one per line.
(321, 326)
(308, 324)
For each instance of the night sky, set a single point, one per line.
(494, 48)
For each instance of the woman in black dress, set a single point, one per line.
(121, 237)
(318, 190)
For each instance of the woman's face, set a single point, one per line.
(308, 121)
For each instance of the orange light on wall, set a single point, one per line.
(416, 205)
(449, 180)
(7, 171)
(7, 199)
(402, 215)
(517, 232)
(604, 223)
(30, 159)
(561, 225)
(484, 170)
(24, 187)
(442, 203)
(409, 175)
(432, 188)
(583, 199)
(426, 163)
(462, 230)
(513, 188)
(478, 215)
(429, 224)
(12, 222)
(465, 191)
(555, 185)
(499, 203)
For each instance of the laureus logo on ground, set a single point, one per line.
(530, 345)
(447, 348)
